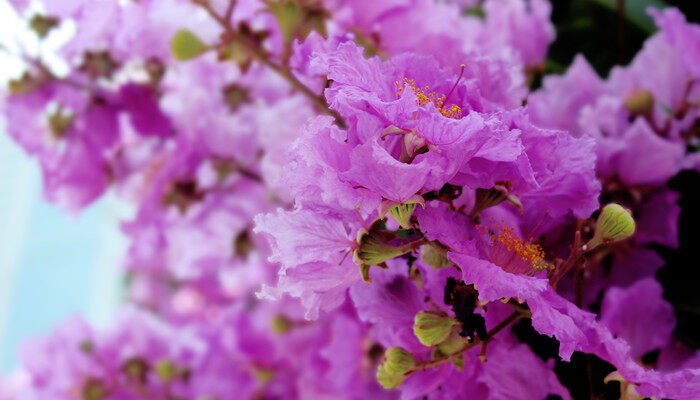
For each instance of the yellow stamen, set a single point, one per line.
(424, 97)
(527, 251)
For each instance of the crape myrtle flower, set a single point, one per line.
(647, 107)
(441, 30)
(404, 140)
(371, 166)
(497, 259)
(235, 355)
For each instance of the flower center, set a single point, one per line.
(512, 253)
(425, 97)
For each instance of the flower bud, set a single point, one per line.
(387, 379)
(435, 255)
(94, 389)
(136, 368)
(281, 324)
(166, 370)
(401, 212)
(432, 327)
(614, 223)
(452, 344)
(264, 374)
(398, 361)
(373, 249)
(639, 102)
(86, 346)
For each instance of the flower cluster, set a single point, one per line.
(360, 199)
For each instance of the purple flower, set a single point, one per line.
(630, 312)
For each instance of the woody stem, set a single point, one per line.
(262, 58)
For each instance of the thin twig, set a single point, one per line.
(516, 315)
(229, 10)
(262, 58)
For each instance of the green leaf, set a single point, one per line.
(636, 11)
(186, 46)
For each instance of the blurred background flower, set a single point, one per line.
(52, 265)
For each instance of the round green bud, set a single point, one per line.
(136, 368)
(614, 223)
(432, 327)
(281, 324)
(639, 102)
(398, 361)
(387, 379)
(94, 389)
(86, 346)
(435, 255)
(452, 344)
(166, 370)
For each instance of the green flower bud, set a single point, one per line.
(387, 379)
(264, 375)
(401, 212)
(432, 327)
(373, 249)
(457, 361)
(281, 324)
(615, 223)
(398, 361)
(166, 370)
(452, 344)
(435, 255)
(186, 45)
(86, 346)
(136, 369)
(639, 102)
(94, 389)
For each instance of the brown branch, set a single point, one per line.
(229, 10)
(516, 315)
(262, 58)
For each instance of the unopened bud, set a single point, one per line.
(639, 101)
(614, 223)
(387, 379)
(398, 361)
(435, 255)
(94, 389)
(401, 212)
(373, 249)
(166, 370)
(264, 375)
(432, 327)
(450, 348)
(136, 369)
(486, 198)
(86, 346)
(281, 324)
(452, 344)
